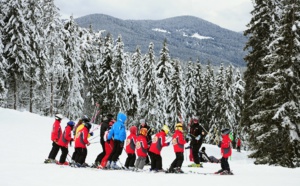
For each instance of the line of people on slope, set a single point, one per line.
(114, 137)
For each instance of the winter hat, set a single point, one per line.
(133, 130)
(142, 121)
(71, 123)
(225, 131)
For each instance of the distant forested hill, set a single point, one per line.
(187, 37)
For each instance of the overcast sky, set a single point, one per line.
(230, 14)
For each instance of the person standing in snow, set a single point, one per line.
(108, 121)
(158, 142)
(108, 145)
(196, 134)
(55, 135)
(226, 151)
(63, 143)
(81, 141)
(118, 132)
(141, 150)
(130, 148)
(238, 145)
(143, 124)
(178, 142)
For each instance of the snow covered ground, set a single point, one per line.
(25, 144)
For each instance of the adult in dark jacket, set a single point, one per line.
(196, 134)
(109, 121)
(143, 124)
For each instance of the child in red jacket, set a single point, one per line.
(130, 148)
(81, 141)
(226, 146)
(141, 149)
(158, 142)
(178, 145)
(55, 135)
(63, 143)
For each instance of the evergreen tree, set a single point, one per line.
(260, 28)
(106, 76)
(149, 98)
(17, 51)
(137, 68)
(120, 101)
(219, 118)
(207, 105)
(3, 67)
(276, 131)
(176, 102)
(54, 31)
(190, 103)
(71, 83)
(163, 71)
(198, 90)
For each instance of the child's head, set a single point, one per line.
(179, 127)
(133, 130)
(143, 131)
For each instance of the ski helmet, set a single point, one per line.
(166, 129)
(225, 131)
(88, 125)
(179, 126)
(58, 116)
(143, 131)
(85, 118)
(71, 123)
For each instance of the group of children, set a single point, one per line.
(138, 145)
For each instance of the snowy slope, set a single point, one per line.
(25, 143)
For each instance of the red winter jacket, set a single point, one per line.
(141, 146)
(226, 146)
(178, 141)
(56, 131)
(130, 144)
(65, 137)
(158, 142)
(81, 138)
(239, 142)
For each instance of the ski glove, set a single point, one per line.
(198, 137)
(168, 143)
(91, 133)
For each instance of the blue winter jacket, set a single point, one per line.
(118, 129)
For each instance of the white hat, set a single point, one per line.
(142, 121)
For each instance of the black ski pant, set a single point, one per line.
(102, 154)
(225, 164)
(130, 160)
(81, 155)
(178, 160)
(54, 151)
(75, 154)
(64, 153)
(195, 149)
(117, 151)
(156, 161)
